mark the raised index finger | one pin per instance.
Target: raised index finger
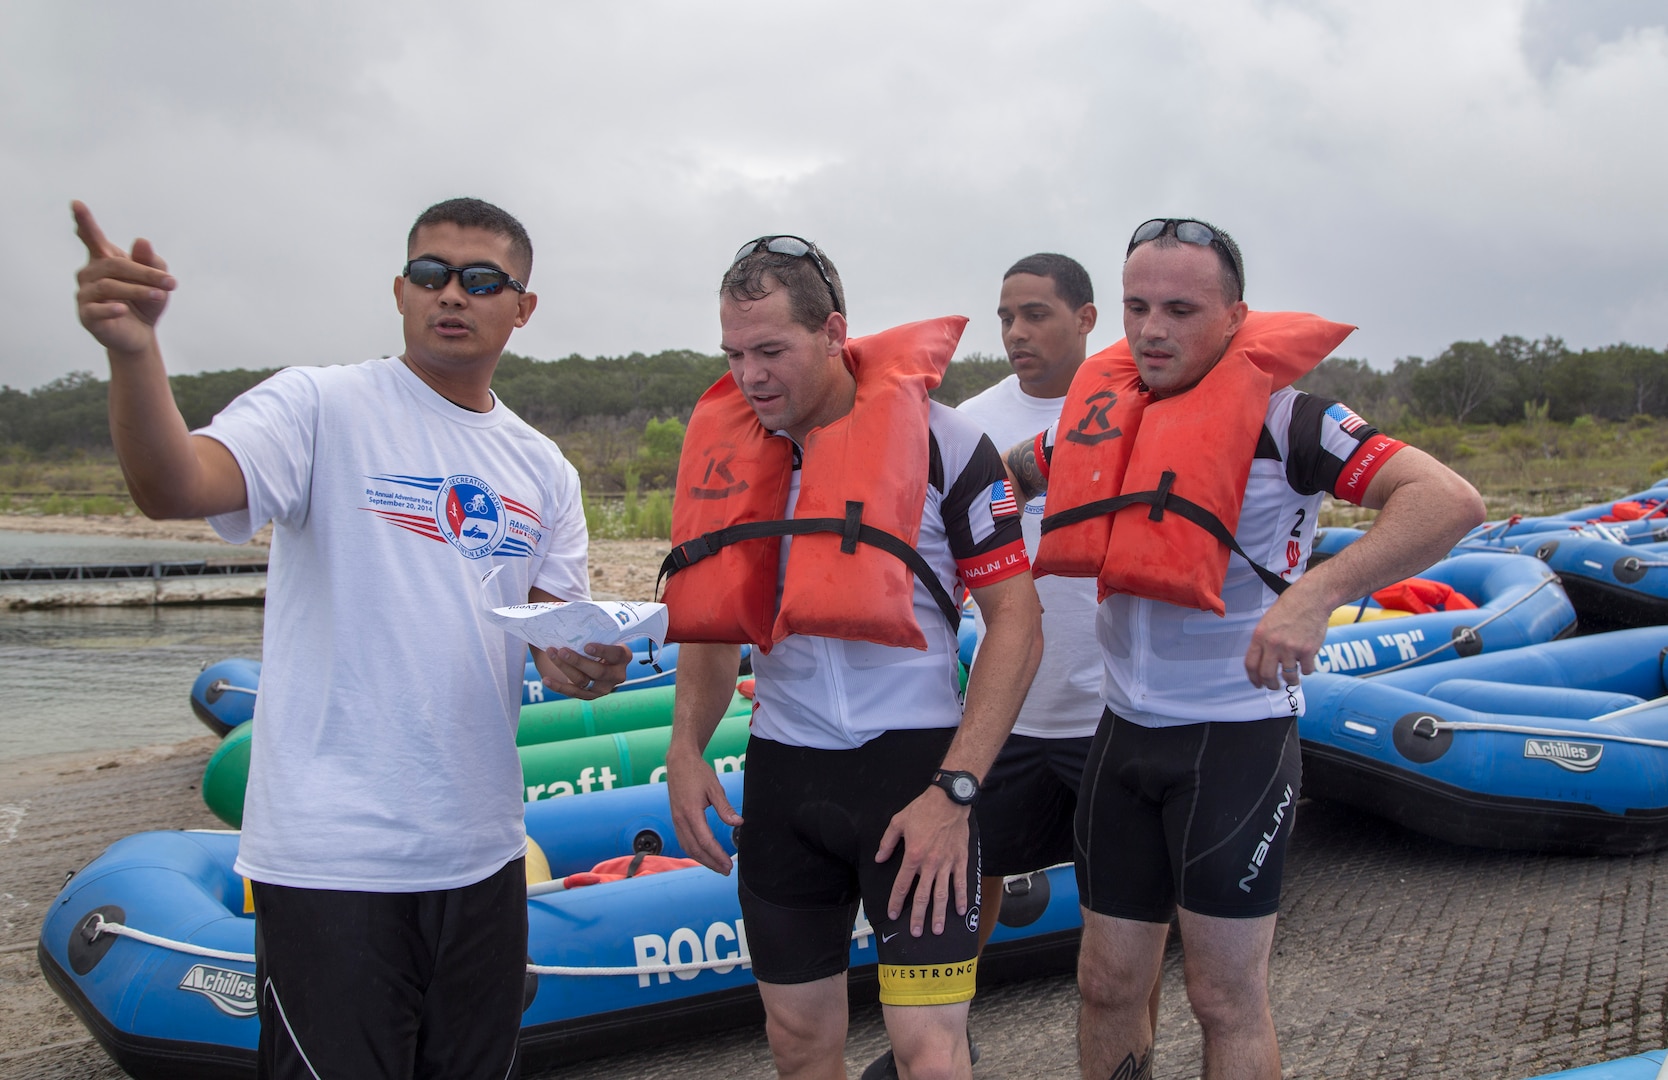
(91, 235)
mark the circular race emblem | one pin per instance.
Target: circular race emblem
(470, 514)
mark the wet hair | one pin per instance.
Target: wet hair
(1230, 265)
(1071, 281)
(476, 214)
(809, 303)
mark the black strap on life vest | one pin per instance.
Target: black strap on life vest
(1162, 499)
(851, 530)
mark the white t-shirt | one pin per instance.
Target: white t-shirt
(383, 755)
(1065, 697)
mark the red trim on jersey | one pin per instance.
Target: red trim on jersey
(994, 566)
(1360, 469)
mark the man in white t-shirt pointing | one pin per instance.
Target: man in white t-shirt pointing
(383, 822)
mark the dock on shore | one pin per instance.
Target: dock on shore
(32, 586)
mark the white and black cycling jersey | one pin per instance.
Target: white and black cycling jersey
(831, 694)
(1165, 665)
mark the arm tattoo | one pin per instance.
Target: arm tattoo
(1027, 473)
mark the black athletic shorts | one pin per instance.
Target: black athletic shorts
(806, 856)
(1196, 816)
(351, 985)
(1028, 804)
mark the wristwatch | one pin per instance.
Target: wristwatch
(962, 787)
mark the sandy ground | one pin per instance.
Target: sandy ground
(1396, 956)
(620, 569)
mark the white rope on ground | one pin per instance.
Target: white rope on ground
(1451, 642)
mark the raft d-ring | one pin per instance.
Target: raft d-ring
(1425, 727)
(1467, 642)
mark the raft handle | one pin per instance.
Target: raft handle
(1426, 727)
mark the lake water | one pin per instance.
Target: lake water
(75, 679)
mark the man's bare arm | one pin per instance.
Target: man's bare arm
(1025, 471)
(1424, 508)
(170, 472)
(932, 829)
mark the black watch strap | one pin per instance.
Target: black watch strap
(961, 787)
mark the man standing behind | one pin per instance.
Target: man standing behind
(1029, 798)
(383, 823)
(862, 765)
(1188, 792)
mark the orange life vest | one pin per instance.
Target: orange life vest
(863, 481)
(1421, 596)
(1144, 494)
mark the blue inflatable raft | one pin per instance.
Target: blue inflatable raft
(1561, 747)
(223, 696)
(1639, 1067)
(1519, 602)
(1514, 531)
(150, 946)
(1612, 585)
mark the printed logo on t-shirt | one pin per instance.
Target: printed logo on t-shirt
(461, 510)
(470, 515)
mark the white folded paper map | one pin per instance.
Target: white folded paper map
(574, 624)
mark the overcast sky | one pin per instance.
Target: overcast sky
(1430, 170)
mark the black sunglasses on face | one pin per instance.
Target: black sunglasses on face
(476, 280)
(796, 247)
(1188, 231)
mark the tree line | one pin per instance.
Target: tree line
(600, 407)
(1514, 379)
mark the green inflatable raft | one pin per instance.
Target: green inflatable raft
(566, 747)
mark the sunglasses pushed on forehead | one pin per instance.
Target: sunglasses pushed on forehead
(1188, 231)
(476, 280)
(796, 247)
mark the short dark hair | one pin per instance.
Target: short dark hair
(1071, 281)
(1230, 264)
(810, 302)
(477, 214)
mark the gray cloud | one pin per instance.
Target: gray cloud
(1428, 170)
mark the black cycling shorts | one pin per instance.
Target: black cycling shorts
(364, 984)
(806, 857)
(1196, 816)
(1028, 804)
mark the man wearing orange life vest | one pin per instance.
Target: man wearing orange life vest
(1187, 799)
(862, 764)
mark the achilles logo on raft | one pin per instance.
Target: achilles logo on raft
(233, 992)
(1574, 756)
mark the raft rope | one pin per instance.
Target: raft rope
(98, 925)
(1430, 727)
(1471, 631)
(221, 686)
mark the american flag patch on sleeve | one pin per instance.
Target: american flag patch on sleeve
(1345, 418)
(1002, 500)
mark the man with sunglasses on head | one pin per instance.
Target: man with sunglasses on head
(1190, 784)
(383, 825)
(863, 765)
